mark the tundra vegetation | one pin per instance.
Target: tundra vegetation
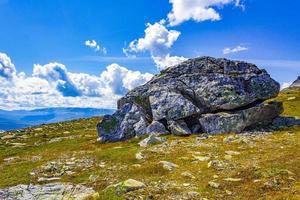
(260, 165)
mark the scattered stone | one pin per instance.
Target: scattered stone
(11, 159)
(151, 140)
(229, 192)
(188, 175)
(291, 98)
(48, 191)
(38, 129)
(232, 179)
(128, 185)
(137, 165)
(217, 164)
(214, 184)
(93, 178)
(139, 156)
(232, 153)
(200, 158)
(43, 179)
(215, 176)
(228, 157)
(168, 165)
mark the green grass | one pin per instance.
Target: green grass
(273, 157)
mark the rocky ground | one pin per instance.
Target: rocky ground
(64, 161)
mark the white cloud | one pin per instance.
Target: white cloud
(285, 85)
(236, 49)
(157, 40)
(51, 85)
(118, 79)
(7, 68)
(94, 45)
(167, 61)
(197, 10)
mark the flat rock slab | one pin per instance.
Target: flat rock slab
(57, 191)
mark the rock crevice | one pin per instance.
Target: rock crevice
(199, 95)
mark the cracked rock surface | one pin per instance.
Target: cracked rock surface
(214, 95)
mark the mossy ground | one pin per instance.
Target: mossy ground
(268, 165)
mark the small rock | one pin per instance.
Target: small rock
(217, 164)
(291, 98)
(43, 179)
(38, 129)
(215, 176)
(93, 178)
(201, 158)
(228, 157)
(168, 165)
(232, 153)
(213, 184)
(128, 185)
(151, 140)
(139, 156)
(229, 192)
(232, 179)
(137, 165)
(188, 175)
(186, 184)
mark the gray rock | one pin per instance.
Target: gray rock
(217, 90)
(209, 84)
(156, 128)
(225, 122)
(168, 165)
(128, 122)
(179, 128)
(127, 186)
(57, 191)
(171, 106)
(296, 83)
(151, 140)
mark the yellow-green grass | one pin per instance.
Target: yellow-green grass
(272, 158)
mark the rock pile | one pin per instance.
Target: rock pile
(199, 95)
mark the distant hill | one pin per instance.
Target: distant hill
(296, 83)
(17, 119)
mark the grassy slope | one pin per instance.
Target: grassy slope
(269, 166)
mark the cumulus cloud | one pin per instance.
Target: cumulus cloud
(57, 73)
(157, 40)
(52, 85)
(7, 68)
(94, 45)
(118, 79)
(167, 61)
(197, 10)
(236, 49)
(285, 85)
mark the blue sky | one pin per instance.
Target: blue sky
(51, 35)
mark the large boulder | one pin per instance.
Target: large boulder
(195, 92)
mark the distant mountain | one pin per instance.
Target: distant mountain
(17, 119)
(296, 83)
